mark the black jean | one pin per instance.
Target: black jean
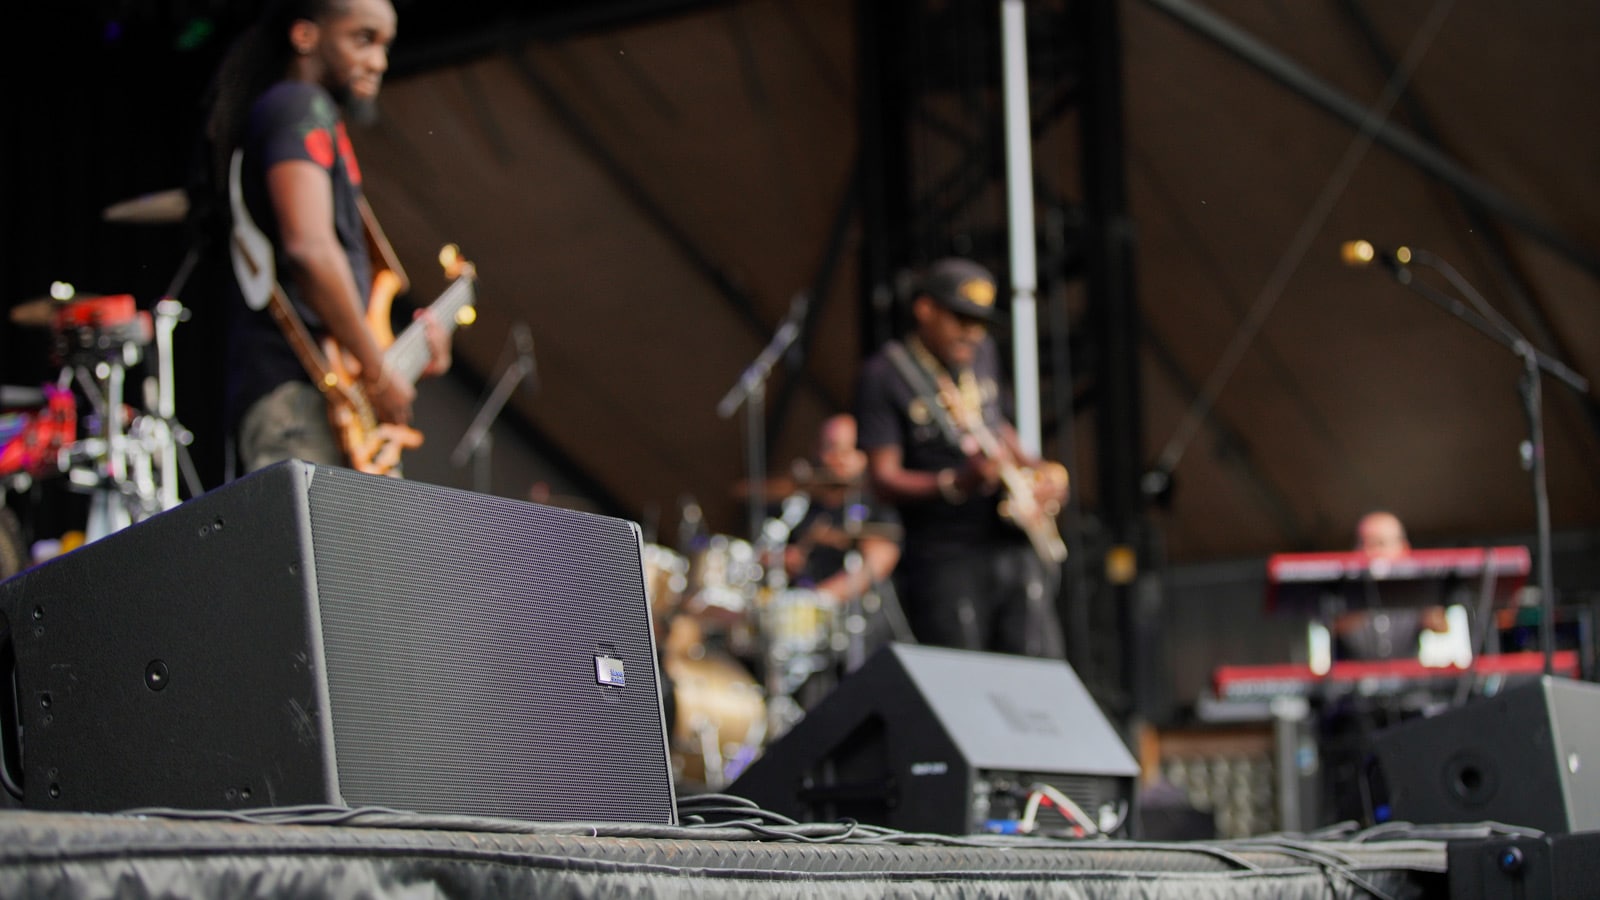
(996, 597)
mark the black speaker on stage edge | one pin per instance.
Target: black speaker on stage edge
(930, 739)
(316, 635)
(1529, 756)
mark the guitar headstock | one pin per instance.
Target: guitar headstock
(455, 265)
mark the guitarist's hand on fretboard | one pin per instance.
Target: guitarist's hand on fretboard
(391, 397)
(438, 344)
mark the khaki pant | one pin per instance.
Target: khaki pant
(289, 423)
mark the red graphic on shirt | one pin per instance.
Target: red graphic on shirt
(349, 154)
(319, 145)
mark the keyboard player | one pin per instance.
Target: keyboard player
(1384, 633)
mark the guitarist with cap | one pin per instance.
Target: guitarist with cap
(980, 565)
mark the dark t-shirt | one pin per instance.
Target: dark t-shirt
(827, 529)
(292, 120)
(889, 412)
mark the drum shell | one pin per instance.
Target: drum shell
(720, 709)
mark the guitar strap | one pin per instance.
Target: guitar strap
(926, 386)
(251, 255)
(252, 258)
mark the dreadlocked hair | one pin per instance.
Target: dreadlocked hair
(258, 58)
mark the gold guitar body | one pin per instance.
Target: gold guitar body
(375, 447)
(1019, 502)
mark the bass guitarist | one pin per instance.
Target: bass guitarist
(279, 178)
(980, 565)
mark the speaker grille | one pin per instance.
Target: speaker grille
(468, 626)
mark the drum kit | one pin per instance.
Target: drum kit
(744, 652)
(83, 427)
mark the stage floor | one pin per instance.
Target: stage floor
(333, 853)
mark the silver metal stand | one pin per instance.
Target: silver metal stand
(130, 462)
(750, 391)
(477, 443)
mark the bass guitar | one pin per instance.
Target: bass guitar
(371, 446)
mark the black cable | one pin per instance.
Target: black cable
(308, 814)
(736, 814)
(845, 834)
(1327, 860)
(715, 799)
(1441, 832)
(757, 824)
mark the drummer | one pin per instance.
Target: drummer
(841, 517)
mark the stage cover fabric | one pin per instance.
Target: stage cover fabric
(341, 853)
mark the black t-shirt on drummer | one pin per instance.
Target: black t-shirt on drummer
(889, 412)
(829, 530)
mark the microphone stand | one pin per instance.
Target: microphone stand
(750, 390)
(1484, 318)
(173, 438)
(477, 443)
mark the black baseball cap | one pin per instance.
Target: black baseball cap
(961, 286)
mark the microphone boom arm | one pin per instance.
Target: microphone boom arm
(476, 439)
(1484, 318)
(750, 391)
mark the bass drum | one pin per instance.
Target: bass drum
(797, 622)
(720, 716)
(666, 577)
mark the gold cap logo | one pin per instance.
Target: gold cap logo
(977, 291)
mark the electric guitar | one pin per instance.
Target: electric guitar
(1019, 504)
(371, 446)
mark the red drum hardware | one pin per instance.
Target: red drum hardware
(125, 455)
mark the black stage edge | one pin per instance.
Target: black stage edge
(385, 854)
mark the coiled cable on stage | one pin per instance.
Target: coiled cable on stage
(720, 817)
(724, 817)
(1371, 862)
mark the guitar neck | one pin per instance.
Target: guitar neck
(988, 444)
(409, 354)
(970, 422)
(1023, 510)
(1011, 472)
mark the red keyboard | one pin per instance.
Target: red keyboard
(1263, 682)
(1303, 581)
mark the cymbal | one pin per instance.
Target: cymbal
(784, 485)
(39, 312)
(13, 396)
(158, 208)
(33, 313)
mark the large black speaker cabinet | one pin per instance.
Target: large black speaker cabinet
(944, 741)
(316, 635)
(1528, 756)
